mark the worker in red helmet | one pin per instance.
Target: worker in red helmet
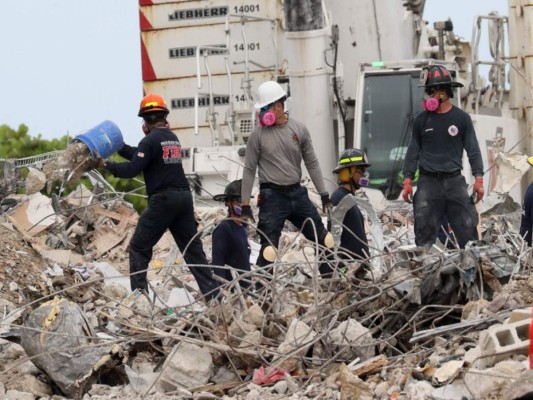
(170, 205)
(441, 133)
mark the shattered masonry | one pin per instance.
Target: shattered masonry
(446, 323)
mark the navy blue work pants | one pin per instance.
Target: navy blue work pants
(171, 210)
(438, 198)
(276, 207)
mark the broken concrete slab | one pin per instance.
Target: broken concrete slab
(35, 181)
(298, 340)
(448, 371)
(187, 366)
(520, 388)
(30, 384)
(141, 382)
(352, 387)
(481, 383)
(65, 258)
(456, 390)
(354, 339)
(34, 215)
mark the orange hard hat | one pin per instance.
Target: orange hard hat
(152, 103)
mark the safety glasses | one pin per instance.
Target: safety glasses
(264, 109)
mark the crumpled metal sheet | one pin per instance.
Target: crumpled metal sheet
(63, 345)
(342, 208)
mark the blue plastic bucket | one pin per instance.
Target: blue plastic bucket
(104, 139)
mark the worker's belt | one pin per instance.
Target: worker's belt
(441, 175)
(279, 188)
(173, 189)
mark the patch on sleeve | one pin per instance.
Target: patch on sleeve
(140, 154)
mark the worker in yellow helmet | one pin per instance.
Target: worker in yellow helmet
(526, 223)
(351, 176)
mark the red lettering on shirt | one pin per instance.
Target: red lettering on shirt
(171, 152)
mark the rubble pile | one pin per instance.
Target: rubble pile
(410, 324)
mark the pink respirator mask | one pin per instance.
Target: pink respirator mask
(266, 119)
(431, 104)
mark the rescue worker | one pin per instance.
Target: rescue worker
(276, 148)
(230, 237)
(440, 134)
(170, 205)
(526, 224)
(351, 175)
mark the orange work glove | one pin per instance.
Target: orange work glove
(407, 190)
(478, 189)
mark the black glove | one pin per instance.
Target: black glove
(327, 205)
(246, 214)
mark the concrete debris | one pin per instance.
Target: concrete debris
(354, 338)
(36, 181)
(520, 388)
(34, 215)
(71, 165)
(443, 324)
(187, 366)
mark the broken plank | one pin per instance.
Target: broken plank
(117, 216)
(368, 366)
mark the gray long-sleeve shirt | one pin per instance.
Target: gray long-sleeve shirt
(438, 142)
(277, 152)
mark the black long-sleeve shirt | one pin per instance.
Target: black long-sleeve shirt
(158, 156)
(526, 224)
(230, 247)
(438, 141)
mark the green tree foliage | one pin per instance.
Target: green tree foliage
(19, 144)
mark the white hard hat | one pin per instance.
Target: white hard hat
(268, 92)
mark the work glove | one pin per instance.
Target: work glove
(408, 190)
(98, 161)
(246, 214)
(478, 193)
(327, 205)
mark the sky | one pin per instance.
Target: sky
(67, 65)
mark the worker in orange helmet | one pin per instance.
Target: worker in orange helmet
(170, 205)
(441, 133)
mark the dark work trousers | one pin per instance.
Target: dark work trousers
(444, 233)
(171, 210)
(438, 198)
(293, 205)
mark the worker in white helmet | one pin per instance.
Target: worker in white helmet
(276, 148)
